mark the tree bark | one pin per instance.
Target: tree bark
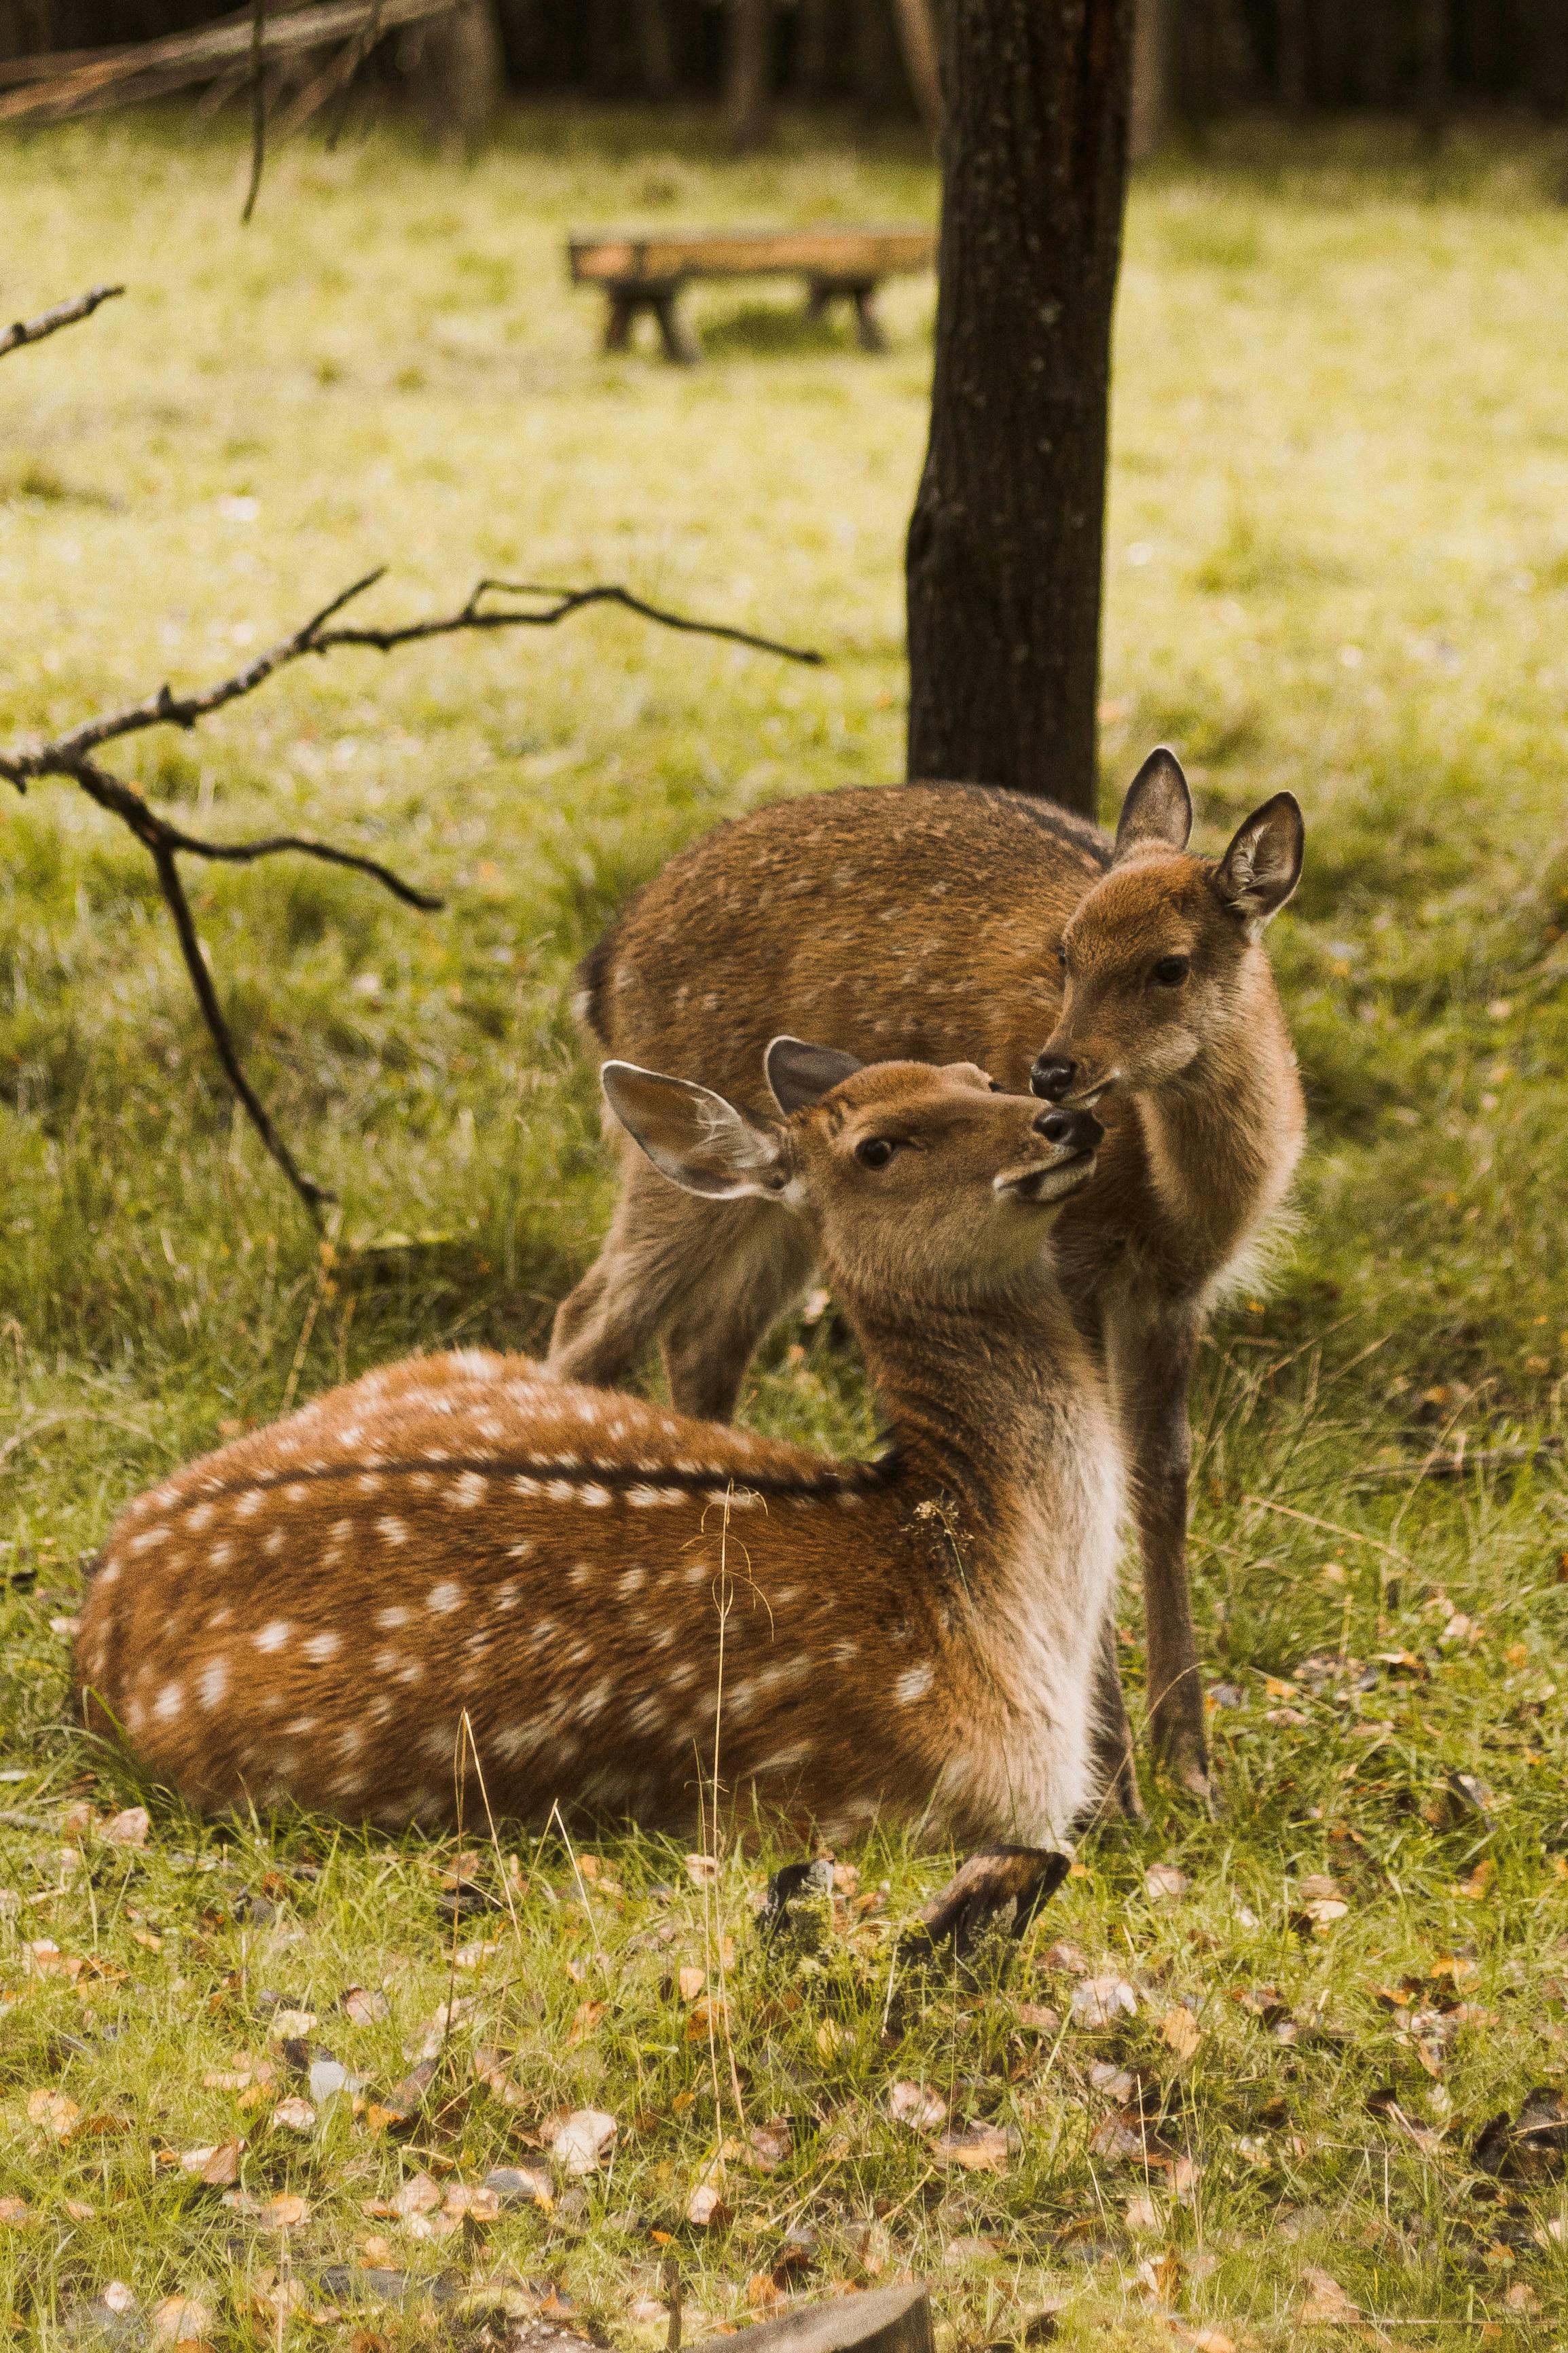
(1151, 115)
(1007, 535)
(1432, 96)
(655, 49)
(917, 38)
(747, 77)
(461, 74)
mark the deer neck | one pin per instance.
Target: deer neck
(1222, 1140)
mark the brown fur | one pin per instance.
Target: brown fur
(927, 920)
(608, 1590)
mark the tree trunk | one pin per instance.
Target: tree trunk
(917, 38)
(655, 49)
(1007, 535)
(461, 74)
(1291, 57)
(1151, 115)
(747, 76)
(1432, 97)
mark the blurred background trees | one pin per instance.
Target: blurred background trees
(1200, 59)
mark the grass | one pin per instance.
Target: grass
(1338, 560)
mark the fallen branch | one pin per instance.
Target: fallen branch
(1459, 1464)
(70, 756)
(64, 314)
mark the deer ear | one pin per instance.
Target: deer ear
(694, 1137)
(801, 1074)
(1263, 864)
(1158, 811)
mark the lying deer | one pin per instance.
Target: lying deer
(936, 921)
(627, 1602)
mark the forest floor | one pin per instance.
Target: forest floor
(1338, 560)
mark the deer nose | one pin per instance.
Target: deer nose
(1052, 1076)
(1079, 1130)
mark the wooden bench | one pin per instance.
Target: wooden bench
(648, 273)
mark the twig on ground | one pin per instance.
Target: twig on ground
(70, 756)
(1458, 1464)
(49, 322)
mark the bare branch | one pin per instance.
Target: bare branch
(64, 314)
(165, 709)
(257, 107)
(71, 755)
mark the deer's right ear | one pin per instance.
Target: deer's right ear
(1158, 811)
(693, 1136)
(800, 1074)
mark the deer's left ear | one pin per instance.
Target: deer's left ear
(1263, 864)
(694, 1137)
(1158, 811)
(800, 1074)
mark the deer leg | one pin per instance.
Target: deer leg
(657, 1247)
(1116, 1772)
(756, 1263)
(1152, 1391)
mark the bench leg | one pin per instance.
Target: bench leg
(680, 343)
(619, 319)
(867, 326)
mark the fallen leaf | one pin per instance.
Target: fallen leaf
(1180, 2032)
(1142, 2216)
(1100, 2001)
(913, 2104)
(979, 2149)
(586, 2137)
(584, 2020)
(54, 2112)
(1325, 2304)
(464, 2201)
(1475, 1888)
(706, 2206)
(291, 2025)
(417, 2195)
(1522, 2297)
(492, 2074)
(281, 2213)
(829, 2038)
(181, 2320)
(1317, 1887)
(15, 2213)
(1120, 2138)
(957, 2251)
(520, 2185)
(1164, 1884)
(365, 2006)
(1065, 1957)
(1039, 2017)
(767, 2146)
(79, 2211)
(144, 1936)
(1160, 2277)
(474, 1956)
(44, 1958)
(129, 1827)
(218, 2167)
(691, 1982)
(702, 1870)
(295, 2115)
(762, 2290)
(402, 2104)
(1325, 1910)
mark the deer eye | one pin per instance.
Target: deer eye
(875, 1152)
(1171, 971)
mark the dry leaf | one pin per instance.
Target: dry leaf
(295, 2114)
(418, 2195)
(762, 2290)
(1180, 2032)
(474, 1956)
(1067, 1958)
(1325, 2304)
(979, 2149)
(285, 2212)
(463, 2201)
(259, 2073)
(366, 2007)
(1142, 2216)
(181, 2320)
(291, 2025)
(218, 2167)
(15, 2213)
(446, 2015)
(1164, 1884)
(584, 2019)
(586, 2137)
(79, 2211)
(648, 2312)
(1039, 2016)
(1161, 2276)
(829, 2038)
(913, 2104)
(520, 2185)
(767, 2146)
(54, 2112)
(1522, 2297)
(129, 1827)
(702, 1870)
(1118, 2137)
(145, 1937)
(691, 1982)
(492, 2074)
(706, 2206)
(44, 1958)
(1100, 2001)
(1474, 1888)
(1317, 1887)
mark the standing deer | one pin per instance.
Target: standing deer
(627, 1603)
(936, 921)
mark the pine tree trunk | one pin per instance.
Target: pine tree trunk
(917, 38)
(1007, 539)
(746, 79)
(1151, 117)
(655, 49)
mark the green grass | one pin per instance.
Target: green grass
(1338, 560)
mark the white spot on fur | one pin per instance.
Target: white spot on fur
(201, 1517)
(322, 1647)
(274, 1541)
(594, 1494)
(444, 1596)
(148, 1539)
(249, 1505)
(170, 1699)
(273, 1636)
(912, 1684)
(214, 1682)
(469, 1491)
(631, 1580)
(392, 1528)
(390, 1620)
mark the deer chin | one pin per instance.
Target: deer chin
(1040, 1187)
